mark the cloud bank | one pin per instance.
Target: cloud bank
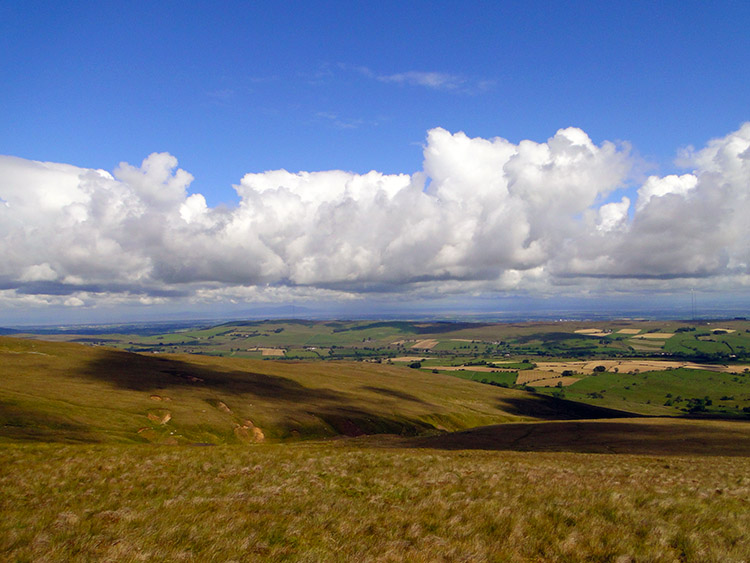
(482, 216)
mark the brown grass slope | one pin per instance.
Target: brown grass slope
(54, 391)
(336, 501)
(634, 436)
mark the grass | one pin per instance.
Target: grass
(355, 502)
(664, 393)
(505, 378)
(643, 436)
(442, 469)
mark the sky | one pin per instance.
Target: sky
(175, 158)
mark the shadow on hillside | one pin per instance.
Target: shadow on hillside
(394, 393)
(645, 437)
(349, 421)
(26, 424)
(545, 407)
(335, 409)
(145, 373)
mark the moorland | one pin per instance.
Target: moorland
(425, 441)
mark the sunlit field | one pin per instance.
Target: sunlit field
(367, 501)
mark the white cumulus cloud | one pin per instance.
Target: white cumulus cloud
(482, 215)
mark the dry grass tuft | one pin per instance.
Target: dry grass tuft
(344, 502)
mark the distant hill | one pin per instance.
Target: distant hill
(66, 392)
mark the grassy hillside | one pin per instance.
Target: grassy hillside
(514, 479)
(55, 391)
(337, 501)
(644, 436)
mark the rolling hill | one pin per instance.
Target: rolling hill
(58, 391)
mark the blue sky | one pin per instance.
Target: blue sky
(237, 87)
(233, 88)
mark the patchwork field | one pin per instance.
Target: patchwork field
(628, 366)
(559, 381)
(425, 344)
(725, 341)
(665, 392)
(493, 353)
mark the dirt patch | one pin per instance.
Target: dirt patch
(629, 331)
(159, 398)
(159, 416)
(425, 344)
(728, 330)
(248, 432)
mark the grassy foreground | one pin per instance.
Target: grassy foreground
(343, 502)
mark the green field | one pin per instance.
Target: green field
(665, 393)
(718, 341)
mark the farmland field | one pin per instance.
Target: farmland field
(727, 341)
(491, 352)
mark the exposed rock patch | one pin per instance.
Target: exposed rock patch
(160, 416)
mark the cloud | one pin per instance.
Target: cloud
(434, 80)
(691, 226)
(659, 187)
(338, 122)
(483, 215)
